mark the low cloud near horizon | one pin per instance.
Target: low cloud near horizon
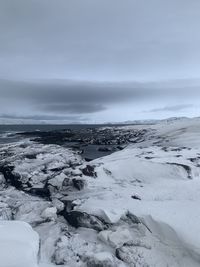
(83, 101)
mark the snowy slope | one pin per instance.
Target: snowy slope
(19, 245)
(136, 207)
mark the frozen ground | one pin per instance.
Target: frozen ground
(136, 207)
(19, 245)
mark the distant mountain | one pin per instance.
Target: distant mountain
(149, 122)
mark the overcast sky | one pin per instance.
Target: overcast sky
(99, 60)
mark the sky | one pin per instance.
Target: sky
(94, 61)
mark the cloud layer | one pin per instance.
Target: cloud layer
(79, 101)
(99, 60)
(99, 40)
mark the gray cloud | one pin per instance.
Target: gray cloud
(41, 117)
(99, 40)
(76, 108)
(67, 98)
(56, 91)
(172, 108)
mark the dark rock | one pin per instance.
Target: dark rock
(88, 159)
(78, 183)
(31, 156)
(193, 160)
(107, 171)
(82, 219)
(119, 254)
(133, 218)
(136, 220)
(40, 192)
(104, 149)
(149, 157)
(11, 177)
(59, 169)
(136, 197)
(49, 137)
(89, 171)
(69, 206)
(120, 147)
(95, 262)
(67, 182)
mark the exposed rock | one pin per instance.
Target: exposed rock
(130, 254)
(10, 177)
(133, 218)
(40, 192)
(120, 147)
(31, 156)
(78, 183)
(68, 206)
(2, 181)
(50, 213)
(104, 149)
(5, 212)
(101, 259)
(89, 171)
(67, 182)
(58, 204)
(136, 220)
(82, 219)
(57, 181)
(136, 197)
(88, 159)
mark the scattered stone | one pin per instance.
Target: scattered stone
(89, 171)
(78, 183)
(136, 197)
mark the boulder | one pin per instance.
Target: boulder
(40, 192)
(83, 219)
(11, 177)
(78, 183)
(50, 213)
(101, 259)
(89, 171)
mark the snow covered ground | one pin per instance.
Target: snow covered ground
(19, 245)
(135, 207)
